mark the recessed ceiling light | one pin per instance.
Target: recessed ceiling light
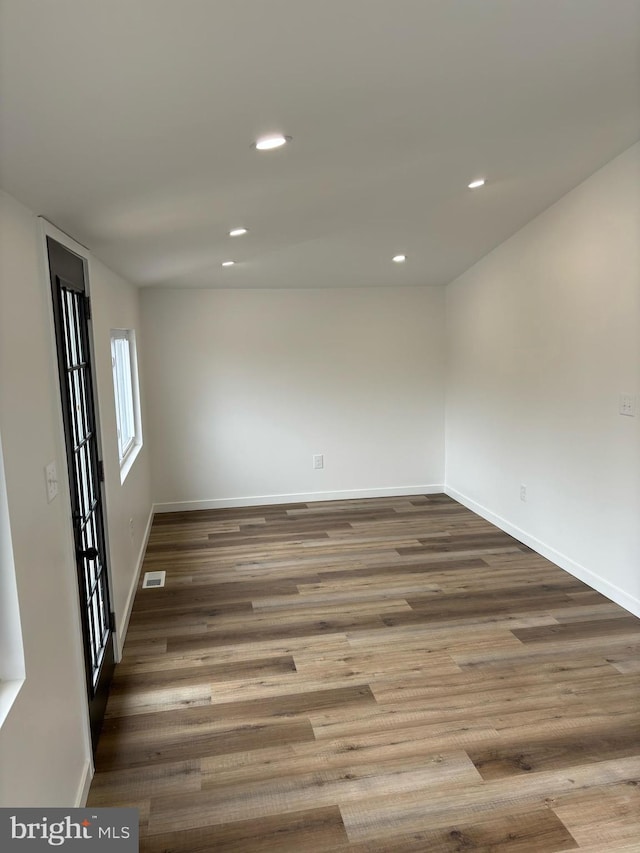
(237, 232)
(475, 184)
(228, 263)
(266, 143)
(399, 259)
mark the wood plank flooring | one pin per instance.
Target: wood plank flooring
(376, 676)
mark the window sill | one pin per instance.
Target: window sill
(127, 463)
(8, 694)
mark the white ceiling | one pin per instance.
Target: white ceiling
(128, 123)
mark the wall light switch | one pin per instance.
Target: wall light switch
(628, 405)
(318, 461)
(51, 477)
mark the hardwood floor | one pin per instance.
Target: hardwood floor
(375, 676)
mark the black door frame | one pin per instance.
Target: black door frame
(96, 693)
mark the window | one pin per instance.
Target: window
(11, 650)
(125, 386)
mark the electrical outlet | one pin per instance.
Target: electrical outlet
(628, 405)
(318, 461)
(523, 493)
(51, 478)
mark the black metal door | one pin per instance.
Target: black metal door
(72, 314)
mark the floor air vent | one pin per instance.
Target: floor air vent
(152, 579)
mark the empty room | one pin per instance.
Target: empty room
(320, 425)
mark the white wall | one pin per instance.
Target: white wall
(115, 305)
(543, 336)
(243, 387)
(44, 743)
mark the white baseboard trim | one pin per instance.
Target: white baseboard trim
(307, 497)
(85, 784)
(600, 584)
(124, 625)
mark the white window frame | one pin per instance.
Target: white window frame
(126, 397)
(12, 667)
